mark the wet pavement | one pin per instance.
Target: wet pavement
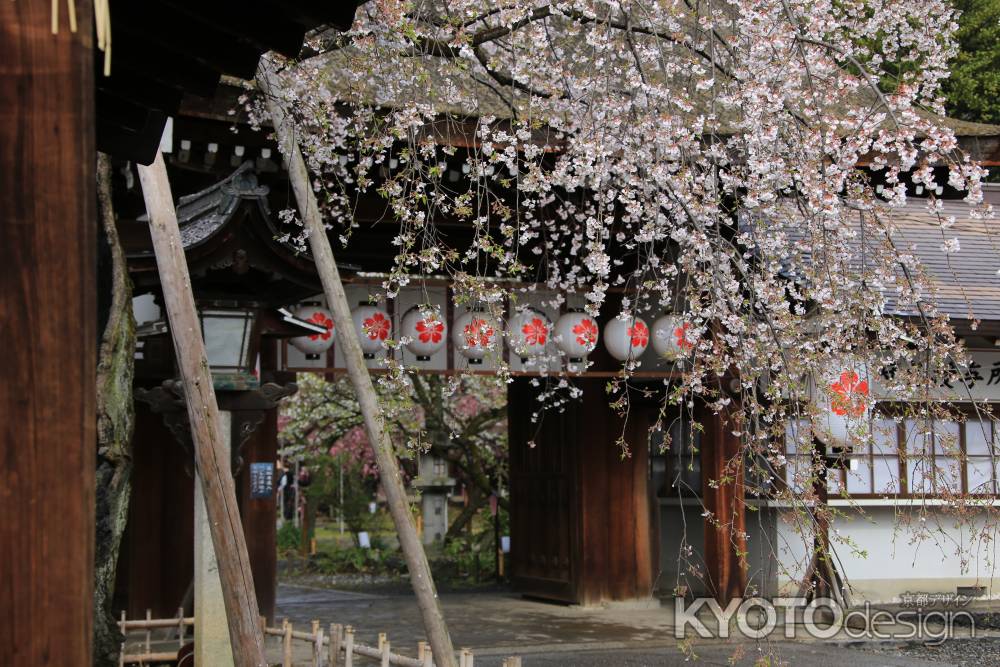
(498, 624)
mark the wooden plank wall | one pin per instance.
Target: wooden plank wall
(157, 562)
(617, 535)
(259, 514)
(544, 514)
(581, 528)
(48, 333)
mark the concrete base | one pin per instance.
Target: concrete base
(211, 626)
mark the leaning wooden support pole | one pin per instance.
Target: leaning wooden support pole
(385, 455)
(203, 412)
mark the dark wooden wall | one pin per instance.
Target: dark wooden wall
(259, 514)
(157, 562)
(618, 539)
(544, 515)
(48, 334)
(581, 525)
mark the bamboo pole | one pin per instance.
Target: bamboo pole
(333, 288)
(203, 413)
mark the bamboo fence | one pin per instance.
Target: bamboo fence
(335, 647)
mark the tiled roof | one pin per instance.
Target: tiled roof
(965, 284)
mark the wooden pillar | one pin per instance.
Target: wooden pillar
(723, 493)
(48, 332)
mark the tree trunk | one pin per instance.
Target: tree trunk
(476, 500)
(115, 422)
(385, 455)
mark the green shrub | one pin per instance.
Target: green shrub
(289, 537)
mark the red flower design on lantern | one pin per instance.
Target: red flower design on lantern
(535, 332)
(322, 320)
(586, 332)
(680, 334)
(377, 327)
(639, 333)
(429, 331)
(850, 395)
(478, 333)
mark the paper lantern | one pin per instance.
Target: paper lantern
(626, 337)
(315, 344)
(373, 326)
(842, 397)
(672, 337)
(528, 332)
(475, 333)
(426, 331)
(576, 334)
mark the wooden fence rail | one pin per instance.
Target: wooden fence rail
(334, 648)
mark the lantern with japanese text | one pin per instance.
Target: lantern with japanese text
(373, 326)
(425, 330)
(626, 337)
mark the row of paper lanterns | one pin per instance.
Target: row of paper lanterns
(475, 333)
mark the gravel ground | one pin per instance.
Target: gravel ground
(979, 652)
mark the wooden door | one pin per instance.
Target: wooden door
(543, 494)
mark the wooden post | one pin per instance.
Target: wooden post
(385, 648)
(725, 540)
(317, 632)
(149, 631)
(333, 288)
(286, 644)
(349, 647)
(203, 413)
(48, 332)
(336, 641)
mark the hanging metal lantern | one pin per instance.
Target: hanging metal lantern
(314, 345)
(373, 326)
(626, 337)
(475, 334)
(528, 332)
(426, 331)
(672, 337)
(576, 334)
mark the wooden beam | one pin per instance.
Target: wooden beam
(725, 528)
(203, 413)
(347, 339)
(48, 331)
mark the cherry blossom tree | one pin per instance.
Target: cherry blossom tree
(463, 420)
(717, 159)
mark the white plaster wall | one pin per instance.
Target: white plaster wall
(886, 559)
